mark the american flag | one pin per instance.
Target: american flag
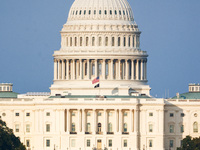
(95, 80)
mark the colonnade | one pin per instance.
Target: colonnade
(80, 122)
(106, 69)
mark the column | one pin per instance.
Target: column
(88, 69)
(68, 121)
(116, 121)
(136, 120)
(141, 73)
(55, 69)
(145, 70)
(77, 69)
(105, 121)
(79, 121)
(83, 121)
(95, 122)
(103, 69)
(111, 69)
(135, 41)
(132, 70)
(65, 120)
(137, 69)
(131, 119)
(63, 70)
(96, 69)
(73, 69)
(132, 42)
(119, 69)
(81, 69)
(67, 69)
(59, 69)
(127, 68)
(120, 121)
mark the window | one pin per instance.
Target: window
(4, 114)
(129, 41)
(107, 68)
(27, 114)
(89, 12)
(81, 41)
(95, 12)
(100, 41)
(125, 143)
(88, 128)
(195, 115)
(99, 114)
(99, 12)
(125, 127)
(150, 143)
(182, 114)
(28, 128)
(87, 39)
(105, 12)
(115, 12)
(133, 41)
(125, 114)
(171, 143)
(99, 67)
(110, 12)
(73, 114)
(70, 41)
(150, 114)
(48, 143)
(85, 68)
(171, 114)
(76, 12)
(123, 12)
(182, 128)
(106, 41)
(120, 12)
(17, 114)
(109, 143)
(93, 41)
(119, 41)
(73, 127)
(28, 143)
(84, 12)
(171, 128)
(124, 41)
(17, 128)
(113, 41)
(88, 114)
(75, 40)
(195, 127)
(48, 128)
(80, 12)
(48, 114)
(73, 143)
(88, 143)
(110, 114)
(150, 128)
(99, 127)
(93, 68)
(110, 127)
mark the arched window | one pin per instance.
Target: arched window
(73, 127)
(87, 39)
(113, 41)
(119, 41)
(99, 127)
(106, 41)
(110, 127)
(81, 41)
(125, 127)
(100, 41)
(195, 127)
(93, 41)
(88, 129)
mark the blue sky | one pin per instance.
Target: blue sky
(29, 34)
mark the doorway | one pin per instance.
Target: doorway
(99, 145)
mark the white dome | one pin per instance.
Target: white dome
(86, 11)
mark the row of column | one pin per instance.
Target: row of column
(119, 121)
(113, 69)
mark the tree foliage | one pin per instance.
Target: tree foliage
(190, 143)
(8, 141)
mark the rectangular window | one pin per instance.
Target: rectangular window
(88, 114)
(150, 143)
(99, 114)
(106, 41)
(110, 114)
(125, 114)
(16, 128)
(113, 41)
(48, 129)
(171, 114)
(73, 114)
(119, 41)
(100, 41)
(182, 128)
(28, 128)
(171, 128)
(48, 114)
(28, 143)
(81, 41)
(150, 114)
(70, 41)
(171, 143)
(17, 114)
(48, 143)
(88, 143)
(125, 143)
(27, 114)
(150, 128)
(73, 143)
(109, 143)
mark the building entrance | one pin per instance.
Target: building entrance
(99, 145)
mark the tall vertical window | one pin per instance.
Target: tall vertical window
(48, 128)
(88, 127)
(150, 143)
(28, 128)
(171, 143)
(28, 143)
(110, 127)
(93, 41)
(75, 40)
(125, 127)
(106, 41)
(124, 41)
(107, 72)
(171, 128)
(93, 68)
(17, 128)
(66, 41)
(99, 68)
(113, 41)
(109, 143)
(129, 41)
(73, 143)
(182, 128)
(100, 41)
(47, 143)
(150, 128)
(99, 12)
(94, 12)
(88, 143)
(125, 143)
(87, 41)
(133, 41)
(195, 127)
(70, 41)
(99, 127)
(73, 127)
(85, 68)
(119, 41)
(81, 41)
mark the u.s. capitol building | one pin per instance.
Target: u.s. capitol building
(100, 97)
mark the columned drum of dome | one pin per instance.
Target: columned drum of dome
(100, 39)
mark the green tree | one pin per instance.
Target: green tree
(190, 144)
(8, 141)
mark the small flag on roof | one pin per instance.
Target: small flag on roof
(95, 80)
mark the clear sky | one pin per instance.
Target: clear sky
(29, 34)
